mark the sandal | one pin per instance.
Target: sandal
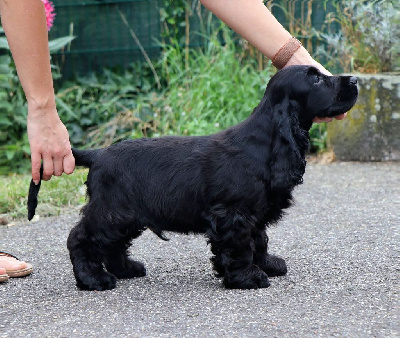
(4, 277)
(16, 273)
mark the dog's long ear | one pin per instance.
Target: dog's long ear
(289, 146)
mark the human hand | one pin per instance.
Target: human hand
(302, 57)
(49, 140)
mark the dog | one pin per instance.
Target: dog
(229, 186)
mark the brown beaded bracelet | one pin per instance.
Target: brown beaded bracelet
(284, 54)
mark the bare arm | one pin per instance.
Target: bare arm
(255, 23)
(24, 23)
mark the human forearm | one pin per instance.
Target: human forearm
(24, 23)
(253, 21)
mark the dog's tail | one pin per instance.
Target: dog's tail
(33, 194)
(82, 157)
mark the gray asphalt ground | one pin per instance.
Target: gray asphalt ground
(341, 243)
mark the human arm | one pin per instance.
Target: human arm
(24, 23)
(255, 23)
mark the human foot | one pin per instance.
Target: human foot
(13, 266)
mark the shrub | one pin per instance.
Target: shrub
(210, 89)
(367, 38)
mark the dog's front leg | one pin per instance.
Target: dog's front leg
(233, 247)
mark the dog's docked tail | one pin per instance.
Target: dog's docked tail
(32, 195)
(83, 158)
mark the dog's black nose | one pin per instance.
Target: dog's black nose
(353, 80)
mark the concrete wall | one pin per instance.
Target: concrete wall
(371, 131)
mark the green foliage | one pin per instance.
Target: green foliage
(13, 140)
(173, 19)
(318, 137)
(367, 38)
(208, 90)
(57, 44)
(211, 89)
(100, 109)
(204, 90)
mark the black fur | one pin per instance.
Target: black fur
(228, 186)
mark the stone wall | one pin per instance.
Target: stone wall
(371, 131)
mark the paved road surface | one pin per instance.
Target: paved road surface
(341, 243)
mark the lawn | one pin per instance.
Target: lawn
(60, 194)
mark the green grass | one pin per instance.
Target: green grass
(60, 194)
(210, 89)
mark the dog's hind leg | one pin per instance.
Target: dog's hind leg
(118, 262)
(216, 260)
(272, 265)
(87, 261)
(232, 245)
(121, 266)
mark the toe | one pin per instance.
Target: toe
(11, 263)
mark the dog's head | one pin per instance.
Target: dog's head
(311, 93)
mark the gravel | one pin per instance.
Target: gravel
(340, 241)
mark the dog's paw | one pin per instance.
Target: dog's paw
(251, 278)
(131, 270)
(101, 282)
(274, 266)
(219, 269)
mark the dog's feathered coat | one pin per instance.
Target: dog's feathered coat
(229, 185)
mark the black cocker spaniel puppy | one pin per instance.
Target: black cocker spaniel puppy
(229, 186)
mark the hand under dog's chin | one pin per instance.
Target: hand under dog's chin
(337, 112)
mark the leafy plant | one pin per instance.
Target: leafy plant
(212, 89)
(368, 35)
(217, 84)
(100, 109)
(318, 137)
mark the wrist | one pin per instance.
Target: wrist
(41, 104)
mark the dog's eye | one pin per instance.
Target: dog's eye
(317, 79)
